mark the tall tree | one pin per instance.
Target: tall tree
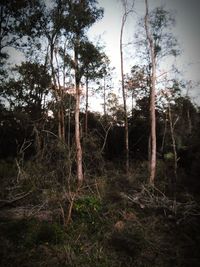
(91, 59)
(82, 15)
(26, 97)
(105, 82)
(28, 89)
(52, 24)
(64, 26)
(152, 98)
(124, 18)
(159, 43)
(136, 84)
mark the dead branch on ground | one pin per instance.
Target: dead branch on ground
(149, 198)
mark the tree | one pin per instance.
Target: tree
(15, 17)
(136, 84)
(52, 25)
(170, 93)
(82, 14)
(26, 96)
(105, 83)
(157, 37)
(63, 26)
(91, 59)
(124, 18)
(28, 88)
(152, 100)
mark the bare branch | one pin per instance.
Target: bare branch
(4, 202)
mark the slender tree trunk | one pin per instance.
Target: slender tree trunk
(124, 94)
(132, 106)
(174, 147)
(164, 135)
(189, 121)
(69, 127)
(62, 121)
(104, 96)
(77, 122)
(152, 100)
(153, 129)
(86, 108)
(58, 95)
(61, 104)
(188, 111)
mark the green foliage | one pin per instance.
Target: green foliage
(91, 58)
(169, 156)
(28, 90)
(148, 238)
(88, 207)
(81, 16)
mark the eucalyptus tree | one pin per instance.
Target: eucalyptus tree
(152, 99)
(60, 28)
(159, 43)
(115, 110)
(136, 84)
(63, 28)
(82, 14)
(91, 67)
(52, 24)
(28, 89)
(25, 95)
(105, 83)
(15, 17)
(127, 11)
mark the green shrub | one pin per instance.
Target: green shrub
(87, 210)
(87, 205)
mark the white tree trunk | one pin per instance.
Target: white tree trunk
(152, 100)
(123, 90)
(77, 124)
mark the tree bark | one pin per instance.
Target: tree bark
(69, 127)
(152, 100)
(104, 96)
(164, 135)
(86, 108)
(77, 122)
(174, 147)
(59, 96)
(124, 94)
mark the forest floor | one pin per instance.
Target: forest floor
(113, 223)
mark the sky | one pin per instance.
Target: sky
(187, 31)
(107, 30)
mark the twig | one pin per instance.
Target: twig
(4, 202)
(147, 200)
(32, 212)
(105, 139)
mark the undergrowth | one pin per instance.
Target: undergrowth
(106, 228)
